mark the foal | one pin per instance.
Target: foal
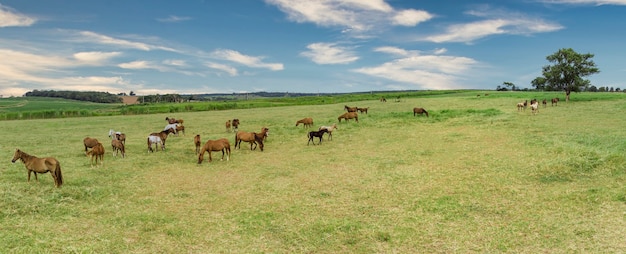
(318, 134)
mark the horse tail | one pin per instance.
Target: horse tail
(59, 176)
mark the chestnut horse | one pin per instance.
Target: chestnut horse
(307, 122)
(252, 138)
(235, 124)
(420, 111)
(118, 146)
(348, 115)
(555, 101)
(89, 143)
(163, 135)
(174, 121)
(362, 110)
(157, 141)
(40, 165)
(319, 134)
(198, 142)
(228, 126)
(350, 109)
(214, 146)
(97, 152)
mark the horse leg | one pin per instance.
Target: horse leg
(210, 157)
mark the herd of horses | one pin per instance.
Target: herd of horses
(534, 104)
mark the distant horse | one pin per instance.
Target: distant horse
(251, 137)
(228, 126)
(420, 111)
(97, 152)
(382, 99)
(350, 109)
(307, 122)
(174, 121)
(534, 107)
(118, 147)
(520, 106)
(179, 129)
(348, 115)
(198, 142)
(362, 110)
(214, 146)
(330, 130)
(156, 140)
(555, 101)
(163, 135)
(319, 134)
(40, 165)
(117, 135)
(544, 102)
(89, 143)
(171, 127)
(235, 124)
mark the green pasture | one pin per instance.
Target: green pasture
(477, 176)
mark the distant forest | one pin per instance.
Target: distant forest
(99, 97)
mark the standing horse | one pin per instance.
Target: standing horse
(36, 165)
(171, 128)
(228, 126)
(214, 146)
(198, 142)
(544, 102)
(319, 134)
(348, 115)
(157, 141)
(163, 135)
(362, 110)
(89, 143)
(97, 152)
(117, 135)
(307, 122)
(180, 128)
(118, 147)
(534, 107)
(174, 121)
(555, 101)
(420, 111)
(350, 109)
(330, 130)
(251, 137)
(235, 124)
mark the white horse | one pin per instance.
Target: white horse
(117, 135)
(535, 107)
(171, 126)
(155, 140)
(330, 130)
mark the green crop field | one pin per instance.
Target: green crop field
(476, 176)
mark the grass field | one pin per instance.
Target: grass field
(477, 176)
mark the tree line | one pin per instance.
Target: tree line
(99, 97)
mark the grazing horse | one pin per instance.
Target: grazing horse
(318, 134)
(350, 109)
(89, 143)
(382, 99)
(40, 165)
(117, 135)
(555, 101)
(214, 146)
(228, 126)
(118, 147)
(348, 115)
(198, 142)
(235, 124)
(544, 102)
(97, 152)
(252, 138)
(174, 121)
(330, 130)
(420, 111)
(306, 122)
(362, 110)
(157, 141)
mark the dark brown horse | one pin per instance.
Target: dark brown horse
(251, 137)
(118, 147)
(350, 109)
(117, 135)
(198, 142)
(89, 143)
(362, 110)
(97, 152)
(180, 128)
(163, 135)
(419, 111)
(307, 122)
(214, 146)
(173, 120)
(40, 165)
(555, 101)
(348, 115)
(544, 102)
(319, 134)
(235, 124)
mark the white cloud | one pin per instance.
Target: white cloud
(329, 53)
(592, 2)
(174, 19)
(250, 61)
(96, 38)
(222, 67)
(411, 17)
(9, 17)
(425, 71)
(95, 57)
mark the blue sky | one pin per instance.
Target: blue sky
(310, 46)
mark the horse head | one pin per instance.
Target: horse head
(17, 155)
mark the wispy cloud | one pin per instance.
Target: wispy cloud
(250, 61)
(222, 67)
(95, 57)
(586, 2)
(329, 53)
(10, 17)
(173, 19)
(426, 71)
(91, 37)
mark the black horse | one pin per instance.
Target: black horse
(318, 134)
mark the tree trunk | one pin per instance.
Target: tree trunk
(567, 92)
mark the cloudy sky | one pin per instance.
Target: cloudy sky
(311, 46)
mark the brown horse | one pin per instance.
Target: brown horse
(180, 128)
(330, 130)
(117, 135)
(118, 147)
(198, 142)
(163, 135)
(307, 122)
(544, 102)
(420, 111)
(555, 101)
(89, 143)
(235, 124)
(350, 109)
(348, 115)
(228, 126)
(173, 120)
(251, 137)
(155, 139)
(40, 165)
(362, 110)
(97, 152)
(214, 146)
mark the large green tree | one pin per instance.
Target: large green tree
(566, 72)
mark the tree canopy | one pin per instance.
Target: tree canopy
(567, 72)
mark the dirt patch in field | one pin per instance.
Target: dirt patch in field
(130, 99)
